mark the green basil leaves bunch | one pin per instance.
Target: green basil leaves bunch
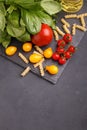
(22, 18)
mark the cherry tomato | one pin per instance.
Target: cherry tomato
(71, 49)
(11, 50)
(52, 69)
(67, 38)
(27, 47)
(61, 43)
(55, 56)
(62, 60)
(60, 50)
(44, 37)
(67, 55)
(48, 52)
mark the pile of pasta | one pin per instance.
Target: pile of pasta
(66, 25)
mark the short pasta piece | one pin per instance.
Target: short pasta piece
(85, 14)
(41, 69)
(59, 31)
(26, 71)
(71, 16)
(39, 49)
(56, 35)
(74, 29)
(81, 28)
(66, 29)
(82, 20)
(37, 64)
(65, 22)
(23, 58)
(36, 52)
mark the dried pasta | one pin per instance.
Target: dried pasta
(41, 69)
(85, 14)
(59, 31)
(82, 20)
(81, 28)
(23, 58)
(26, 71)
(36, 52)
(37, 64)
(39, 49)
(74, 29)
(65, 22)
(66, 29)
(56, 35)
(71, 16)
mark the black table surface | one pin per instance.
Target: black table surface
(32, 103)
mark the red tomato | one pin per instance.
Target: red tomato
(67, 55)
(60, 50)
(44, 37)
(61, 43)
(71, 49)
(67, 38)
(55, 56)
(62, 60)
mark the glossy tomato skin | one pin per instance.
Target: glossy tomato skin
(44, 37)
(67, 55)
(62, 60)
(71, 49)
(60, 50)
(55, 56)
(61, 43)
(67, 38)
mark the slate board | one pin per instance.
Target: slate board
(76, 41)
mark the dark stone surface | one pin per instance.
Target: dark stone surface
(76, 40)
(32, 103)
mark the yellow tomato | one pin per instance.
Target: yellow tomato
(48, 53)
(11, 50)
(35, 58)
(27, 47)
(52, 69)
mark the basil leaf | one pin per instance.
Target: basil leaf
(5, 38)
(2, 36)
(25, 37)
(15, 32)
(11, 8)
(2, 21)
(2, 16)
(24, 3)
(9, 1)
(50, 6)
(6, 41)
(2, 8)
(13, 18)
(32, 22)
(45, 18)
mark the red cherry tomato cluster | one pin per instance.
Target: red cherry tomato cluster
(64, 49)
